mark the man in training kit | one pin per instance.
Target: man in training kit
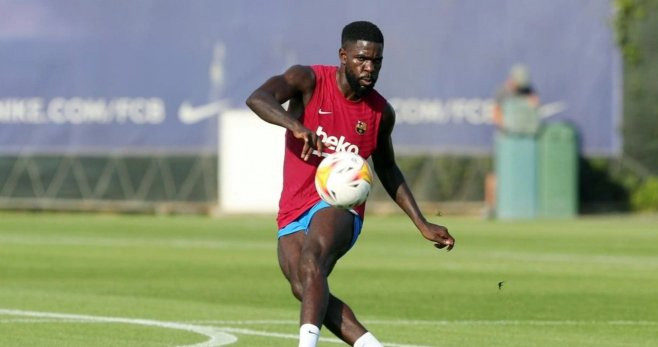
(332, 109)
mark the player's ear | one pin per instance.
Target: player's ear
(342, 55)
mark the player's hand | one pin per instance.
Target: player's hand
(439, 235)
(311, 142)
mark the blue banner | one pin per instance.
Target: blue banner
(153, 75)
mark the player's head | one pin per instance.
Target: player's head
(361, 30)
(361, 54)
(519, 79)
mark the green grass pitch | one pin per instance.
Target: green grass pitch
(132, 280)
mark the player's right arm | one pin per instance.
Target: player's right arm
(294, 85)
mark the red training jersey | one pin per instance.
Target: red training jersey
(343, 125)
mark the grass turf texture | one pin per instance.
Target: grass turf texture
(586, 282)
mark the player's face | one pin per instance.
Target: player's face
(362, 60)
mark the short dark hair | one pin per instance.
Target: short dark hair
(361, 30)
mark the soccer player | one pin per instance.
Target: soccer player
(332, 109)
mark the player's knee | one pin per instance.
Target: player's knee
(297, 290)
(310, 268)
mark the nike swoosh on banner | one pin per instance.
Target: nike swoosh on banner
(320, 111)
(551, 109)
(189, 114)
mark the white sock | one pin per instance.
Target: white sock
(308, 335)
(367, 340)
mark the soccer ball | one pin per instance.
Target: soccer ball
(343, 179)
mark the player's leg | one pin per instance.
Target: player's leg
(341, 321)
(289, 247)
(289, 250)
(328, 238)
(339, 317)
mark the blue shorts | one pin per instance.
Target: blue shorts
(303, 222)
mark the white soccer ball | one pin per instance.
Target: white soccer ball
(343, 179)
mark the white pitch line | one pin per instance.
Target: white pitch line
(217, 337)
(444, 322)
(270, 334)
(247, 322)
(131, 243)
(43, 320)
(512, 322)
(295, 337)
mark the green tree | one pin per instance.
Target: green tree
(636, 26)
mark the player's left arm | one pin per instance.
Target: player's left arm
(393, 181)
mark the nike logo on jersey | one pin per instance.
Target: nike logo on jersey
(321, 111)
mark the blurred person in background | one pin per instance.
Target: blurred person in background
(516, 86)
(515, 113)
